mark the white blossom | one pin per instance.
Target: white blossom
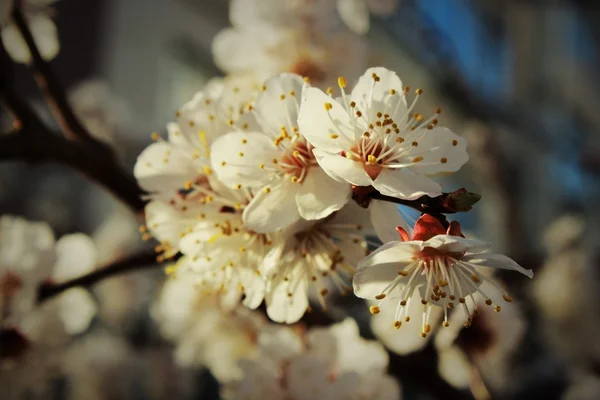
(330, 363)
(38, 15)
(372, 137)
(437, 263)
(29, 258)
(205, 333)
(277, 161)
(270, 36)
(311, 259)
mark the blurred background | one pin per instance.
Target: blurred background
(518, 78)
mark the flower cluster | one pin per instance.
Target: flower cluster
(29, 258)
(324, 363)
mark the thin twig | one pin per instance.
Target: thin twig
(52, 89)
(35, 143)
(143, 260)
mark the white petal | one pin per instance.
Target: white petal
(254, 287)
(496, 261)
(161, 168)
(277, 105)
(370, 282)
(237, 158)
(455, 368)
(234, 50)
(372, 97)
(342, 168)
(279, 343)
(456, 244)
(385, 217)
(44, 34)
(274, 207)
(284, 308)
(400, 183)
(319, 195)
(438, 150)
(317, 124)
(392, 252)
(407, 338)
(355, 15)
(76, 255)
(77, 309)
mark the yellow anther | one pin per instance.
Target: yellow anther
(418, 159)
(324, 292)
(414, 144)
(475, 278)
(444, 160)
(392, 91)
(488, 302)
(238, 186)
(328, 106)
(342, 82)
(263, 88)
(507, 298)
(497, 308)
(419, 92)
(397, 324)
(155, 136)
(223, 163)
(400, 140)
(292, 93)
(241, 154)
(261, 166)
(329, 90)
(374, 310)
(406, 319)
(296, 153)
(454, 142)
(402, 273)
(375, 77)
(274, 161)
(333, 136)
(359, 114)
(352, 104)
(282, 97)
(294, 179)
(188, 185)
(438, 110)
(371, 159)
(267, 190)
(244, 141)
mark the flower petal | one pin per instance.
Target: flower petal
(237, 158)
(385, 95)
(499, 261)
(77, 309)
(44, 34)
(274, 207)
(355, 15)
(343, 169)
(401, 184)
(319, 195)
(317, 123)
(456, 244)
(385, 217)
(76, 255)
(442, 151)
(162, 168)
(392, 252)
(287, 303)
(278, 103)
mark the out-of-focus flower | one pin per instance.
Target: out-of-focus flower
(270, 37)
(38, 16)
(566, 288)
(277, 162)
(29, 258)
(373, 138)
(313, 257)
(331, 363)
(205, 333)
(437, 263)
(487, 346)
(355, 13)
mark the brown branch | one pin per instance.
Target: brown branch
(143, 260)
(48, 83)
(35, 143)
